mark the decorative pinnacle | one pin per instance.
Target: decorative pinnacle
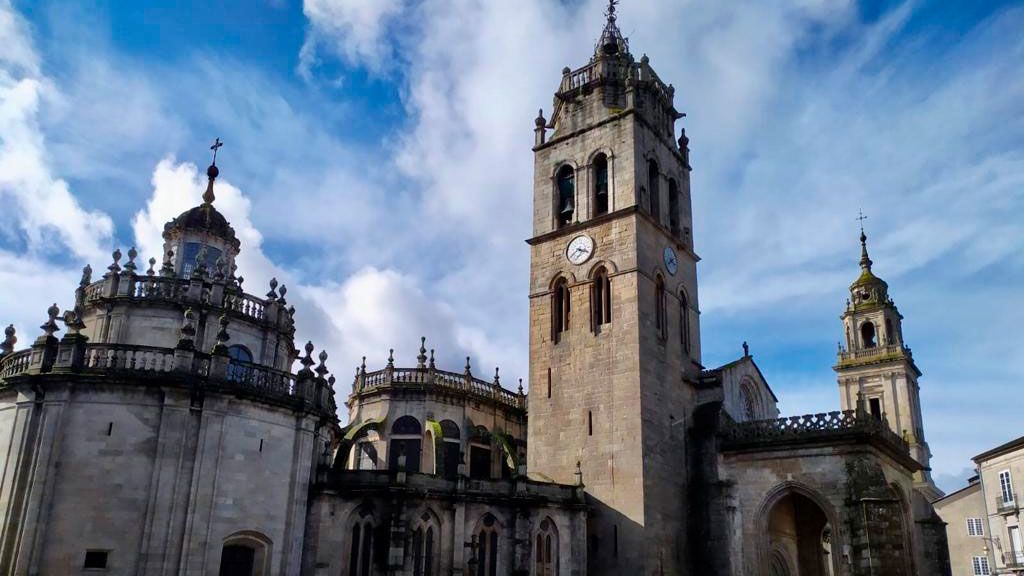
(391, 357)
(520, 386)
(321, 370)
(151, 271)
(86, 276)
(497, 379)
(865, 261)
(50, 326)
(283, 291)
(468, 370)
(7, 346)
(132, 255)
(610, 11)
(211, 173)
(272, 295)
(421, 359)
(431, 364)
(362, 367)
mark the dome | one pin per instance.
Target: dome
(203, 218)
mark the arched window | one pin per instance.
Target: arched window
(360, 557)
(545, 554)
(652, 185)
(239, 353)
(424, 546)
(487, 547)
(673, 206)
(566, 195)
(245, 553)
(406, 440)
(480, 454)
(601, 299)
(749, 398)
(889, 336)
(867, 335)
(659, 307)
(452, 449)
(560, 307)
(240, 366)
(684, 322)
(600, 170)
(366, 456)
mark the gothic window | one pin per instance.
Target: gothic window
(684, 322)
(749, 398)
(673, 206)
(566, 206)
(545, 554)
(452, 449)
(361, 549)
(406, 440)
(652, 185)
(867, 335)
(600, 170)
(601, 299)
(423, 552)
(487, 547)
(560, 309)
(191, 252)
(659, 307)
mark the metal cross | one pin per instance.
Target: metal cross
(862, 218)
(216, 146)
(611, 9)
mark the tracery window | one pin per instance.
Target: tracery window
(360, 561)
(600, 171)
(560, 307)
(566, 207)
(601, 299)
(423, 552)
(487, 547)
(545, 553)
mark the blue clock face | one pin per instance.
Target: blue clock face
(671, 262)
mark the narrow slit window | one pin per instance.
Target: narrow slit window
(600, 185)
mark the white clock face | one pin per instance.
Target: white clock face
(671, 262)
(580, 249)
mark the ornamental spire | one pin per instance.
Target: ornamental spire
(211, 173)
(612, 42)
(865, 261)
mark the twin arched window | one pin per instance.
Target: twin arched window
(424, 556)
(360, 558)
(487, 547)
(545, 555)
(600, 171)
(566, 207)
(560, 307)
(601, 299)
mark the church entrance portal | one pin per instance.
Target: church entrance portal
(799, 538)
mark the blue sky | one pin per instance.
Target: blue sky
(377, 160)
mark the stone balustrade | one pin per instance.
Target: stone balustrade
(811, 427)
(891, 351)
(600, 70)
(440, 379)
(14, 364)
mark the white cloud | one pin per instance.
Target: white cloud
(356, 29)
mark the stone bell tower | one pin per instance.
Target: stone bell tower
(614, 321)
(876, 368)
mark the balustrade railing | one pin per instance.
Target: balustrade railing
(1006, 503)
(1013, 559)
(154, 287)
(15, 363)
(175, 289)
(440, 379)
(261, 378)
(603, 69)
(895, 350)
(132, 358)
(811, 426)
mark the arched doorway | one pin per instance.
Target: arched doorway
(800, 537)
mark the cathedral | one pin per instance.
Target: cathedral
(166, 423)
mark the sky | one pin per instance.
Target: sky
(377, 161)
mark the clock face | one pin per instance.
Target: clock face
(580, 249)
(671, 262)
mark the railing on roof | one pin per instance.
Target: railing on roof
(602, 69)
(812, 427)
(15, 363)
(877, 352)
(429, 377)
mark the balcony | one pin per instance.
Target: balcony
(1013, 559)
(1006, 505)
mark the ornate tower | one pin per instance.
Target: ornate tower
(614, 332)
(875, 366)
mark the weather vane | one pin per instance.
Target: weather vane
(216, 146)
(611, 9)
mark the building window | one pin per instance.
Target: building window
(549, 382)
(601, 300)
(95, 559)
(566, 195)
(867, 335)
(684, 322)
(600, 169)
(487, 547)
(366, 456)
(981, 566)
(875, 405)
(560, 308)
(890, 338)
(545, 554)
(660, 320)
(406, 439)
(975, 527)
(237, 560)
(1006, 486)
(423, 551)
(361, 549)
(652, 185)
(191, 253)
(590, 423)
(480, 462)
(452, 449)
(673, 206)
(240, 367)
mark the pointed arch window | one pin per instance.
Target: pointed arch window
(600, 170)
(424, 553)
(487, 547)
(560, 308)
(684, 322)
(601, 299)
(659, 307)
(673, 206)
(566, 207)
(545, 554)
(652, 185)
(360, 561)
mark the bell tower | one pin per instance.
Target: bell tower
(876, 368)
(614, 320)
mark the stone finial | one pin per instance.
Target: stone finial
(746, 350)
(283, 291)
(497, 379)
(540, 125)
(167, 270)
(321, 370)
(421, 358)
(469, 370)
(10, 339)
(86, 276)
(430, 364)
(539, 121)
(520, 386)
(73, 321)
(391, 358)
(362, 367)
(221, 347)
(114, 267)
(151, 271)
(272, 295)
(566, 71)
(240, 280)
(579, 473)
(187, 333)
(130, 265)
(307, 360)
(50, 326)
(330, 381)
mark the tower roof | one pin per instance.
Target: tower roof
(611, 41)
(205, 218)
(867, 277)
